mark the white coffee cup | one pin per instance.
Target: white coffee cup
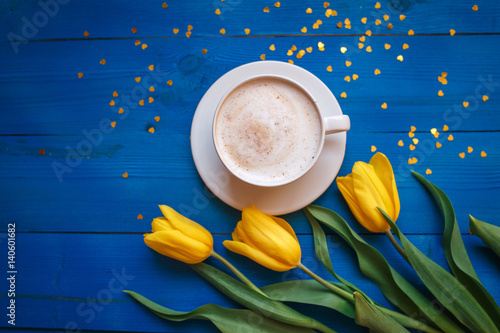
(268, 130)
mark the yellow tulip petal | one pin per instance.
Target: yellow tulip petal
(257, 256)
(187, 226)
(174, 244)
(346, 187)
(371, 193)
(285, 225)
(161, 223)
(383, 169)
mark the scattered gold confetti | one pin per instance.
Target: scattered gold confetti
(309, 11)
(151, 99)
(440, 93)
(405, 46)
(272, 47)
(386, 17)
(470, 149)
(465, 104)
(170, 82)
(347, 23)
(412, 160)
(112, 103)
(277, 4)
(217, 11)
(222, 31)
(355, 77)
(138, 79)
(289, 53)
(134, 30)
(413, 128)
(247, 31)
(85, 33)
(157, 118)
(343, 95)
(348, 63)
(120, 111)
(266, 9)
(137, 42)
(361, 45)
(309, 49)
(362, 38)
(485, 98)
(151, 130)
(188, 34)
(401, 143)
(190, 27)
(368, 32)
(80, 75)
(329, 13)
(389, 26)
(263, 56)
(412, 147)
(377, 5)
(368, 48)
(152, 89)
(151, 67)
(176, 31)
(462, 155)
(300, 54)
(384, 106)
(400, 57)
(113, 124)
(452, 32)
(445, 128)
(433, 131)
(290, 61)
(363, 20)
(378, 22)
(339, 25)
(141, 102)
(144, 46)
(415, 141)
(442, 80)
(483, 154)
(139, 217)
(439, 144)
(428, 171)
(347, 78)
(387, 46)
(411, 32)
(125, 175)
(373, 149)
(42, 152)
(377, 71)
(450, 137)
(411, 134)
(444, 74)
(103, 62)
(164, 5)
(326, 4)
(343, 49)
(402, 17)
(321, 45)
(329, 68)
(303, 30)
(475, 8)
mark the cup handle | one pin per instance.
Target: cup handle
(336, 124)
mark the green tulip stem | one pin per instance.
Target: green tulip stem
(339, 291)
(237, 272)
(396, 245)
(399, 317)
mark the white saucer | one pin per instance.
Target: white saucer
(271, 200)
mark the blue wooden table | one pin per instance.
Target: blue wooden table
(87, 151)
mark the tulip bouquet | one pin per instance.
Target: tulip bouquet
(371, 193)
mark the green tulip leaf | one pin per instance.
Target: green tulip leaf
(226, 320)
(255, 301)
(370, 316)
(373, 264)
(309, 292)
(456, 254)
(489, 233)
(445, 287)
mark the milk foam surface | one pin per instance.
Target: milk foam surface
(268, 131)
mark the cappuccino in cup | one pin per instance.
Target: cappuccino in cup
(268, 131)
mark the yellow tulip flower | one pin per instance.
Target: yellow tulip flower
(267, 240)
(178, 237)
(370, 186)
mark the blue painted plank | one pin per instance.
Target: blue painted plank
(42, 94)
(95, 197)
(78, 278)
(28, 20)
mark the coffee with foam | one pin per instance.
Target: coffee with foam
(268, 131)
